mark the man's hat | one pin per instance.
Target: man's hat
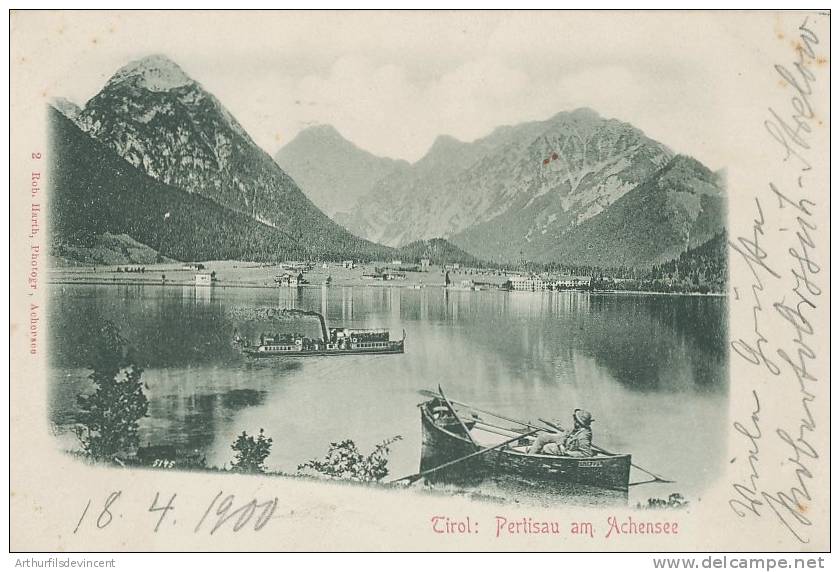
(583, 417)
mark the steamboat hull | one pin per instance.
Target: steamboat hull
(396, 348)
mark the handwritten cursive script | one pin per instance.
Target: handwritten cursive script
(785, 352)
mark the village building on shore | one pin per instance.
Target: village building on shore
(539, 283)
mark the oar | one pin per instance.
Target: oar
(490, 428)
(421, 474)
(556, 428)
(647, 482)
(455, 414)
(656, 478)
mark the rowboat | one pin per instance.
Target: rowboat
(447, 437)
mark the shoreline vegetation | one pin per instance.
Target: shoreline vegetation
(243, 274)
(441, 490)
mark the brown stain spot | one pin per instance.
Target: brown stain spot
(801, 508)
(777, 27)
(94, 41)
(821, 61)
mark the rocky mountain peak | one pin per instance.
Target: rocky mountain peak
(443, 144)
(447, 150)
(66, 107)
(154, 73)
(585, 121)
(321, 131)
(582, 114)
(317, 139)
(331, 170)
(686, 163)
(161, 121)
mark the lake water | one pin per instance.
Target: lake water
(652, 369)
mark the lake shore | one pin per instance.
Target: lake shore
(233, 274)
(237, 274)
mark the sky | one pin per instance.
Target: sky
(392, 82)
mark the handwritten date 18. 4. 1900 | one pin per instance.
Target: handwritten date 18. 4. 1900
(222, 511)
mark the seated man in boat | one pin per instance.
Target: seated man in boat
(574, 443)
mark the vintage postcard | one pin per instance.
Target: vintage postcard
(420, 281)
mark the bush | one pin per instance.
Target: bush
(345, 461)
(251, 453)
(108, 418)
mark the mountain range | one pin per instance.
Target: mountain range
(576, 187)
(104, 210)
(153, 164)
(155, 160)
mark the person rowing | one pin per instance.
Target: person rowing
(574, 443)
